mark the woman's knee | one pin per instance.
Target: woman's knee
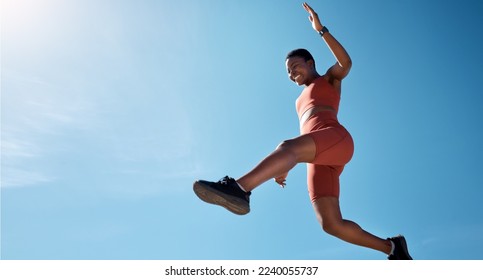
(286, 145)
(328, 214)
(331, 227)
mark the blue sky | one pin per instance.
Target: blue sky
(111, 109)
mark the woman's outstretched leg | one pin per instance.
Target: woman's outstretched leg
(228, 193)
(280, 161)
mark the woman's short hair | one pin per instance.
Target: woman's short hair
(303, 53)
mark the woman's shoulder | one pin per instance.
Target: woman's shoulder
(328, 82)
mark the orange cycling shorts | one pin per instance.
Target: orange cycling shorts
(334, 149)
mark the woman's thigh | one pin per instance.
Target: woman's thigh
(302, 147)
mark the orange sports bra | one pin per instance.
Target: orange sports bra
(318, 93)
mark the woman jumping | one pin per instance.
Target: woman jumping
(324, 144)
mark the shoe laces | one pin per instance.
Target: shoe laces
(225, 180)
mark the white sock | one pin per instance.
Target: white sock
(392, 247)
(241, 187)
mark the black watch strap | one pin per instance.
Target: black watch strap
(323, 31)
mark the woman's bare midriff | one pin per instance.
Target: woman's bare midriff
(313, 110)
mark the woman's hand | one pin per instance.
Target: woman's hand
(280, 179)
(313, 17)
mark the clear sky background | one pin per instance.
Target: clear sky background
(111, 109)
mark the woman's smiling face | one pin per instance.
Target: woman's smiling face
(299, 70)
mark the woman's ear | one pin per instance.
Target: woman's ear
(311, 62)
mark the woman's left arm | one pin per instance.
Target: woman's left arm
(344, 63)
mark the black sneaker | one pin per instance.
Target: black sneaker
(226, 193)
(400, 249)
